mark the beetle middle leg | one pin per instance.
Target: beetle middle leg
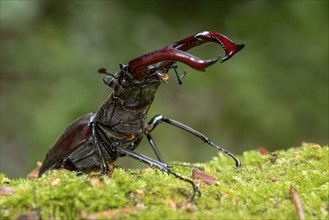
(154, 147)
(156, 120)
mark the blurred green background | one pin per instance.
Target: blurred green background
(274, 93)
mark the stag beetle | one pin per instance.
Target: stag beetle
(95, 140)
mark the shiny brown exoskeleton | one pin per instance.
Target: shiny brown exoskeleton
(95, 140)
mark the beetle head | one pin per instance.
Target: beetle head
(155, 65)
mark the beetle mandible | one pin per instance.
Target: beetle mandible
(95, 140)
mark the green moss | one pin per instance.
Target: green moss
(258, 190)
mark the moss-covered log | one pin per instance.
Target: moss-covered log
(261, 189)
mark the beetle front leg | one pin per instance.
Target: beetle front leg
(156, 120)
(96, 138)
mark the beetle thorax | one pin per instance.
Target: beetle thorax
(125, 110)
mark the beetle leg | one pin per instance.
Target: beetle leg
(156, 120)
(128, 151)
(161, 166)
(99, 147)
(67, 162)
(160, 158)
(154, 147)
(179, 78)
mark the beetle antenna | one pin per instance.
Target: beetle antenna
(103, 70)
(179, 77)
(108, 79)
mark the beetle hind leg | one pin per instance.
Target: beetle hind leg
(68, 164)
(161, 166)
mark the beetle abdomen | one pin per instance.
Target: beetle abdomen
(72, 137)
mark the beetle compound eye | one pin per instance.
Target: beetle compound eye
(108, 80)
